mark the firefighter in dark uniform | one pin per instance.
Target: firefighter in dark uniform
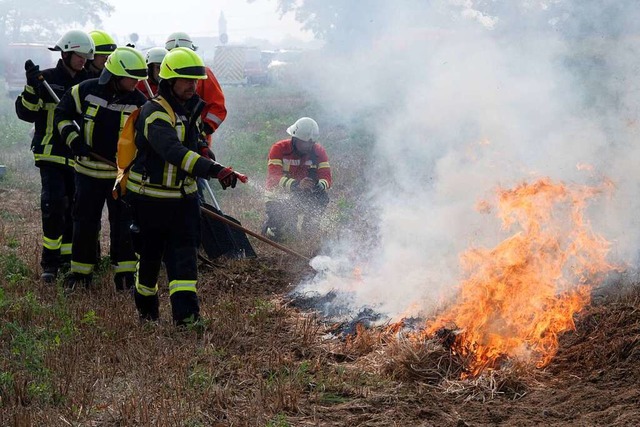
(105, 45)
(162, 188)
(53, 158)
(100, 107)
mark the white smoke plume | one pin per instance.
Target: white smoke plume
(462, 107)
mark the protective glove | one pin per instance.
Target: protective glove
(79, 148)
(306, 184)
(34, 76)
(225, 175)
(206, 152)
(227, 178)
(319, 188)
(206, 128)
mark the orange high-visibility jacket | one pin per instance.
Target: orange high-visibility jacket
(286, 167)
(210, 91)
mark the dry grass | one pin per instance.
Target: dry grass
(83, 359)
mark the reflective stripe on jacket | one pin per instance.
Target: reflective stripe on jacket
(37, 106)
(286, 167)
(167, 159)
(101, 115)
(211, 93)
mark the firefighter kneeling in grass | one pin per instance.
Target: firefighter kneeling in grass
(162, 190)
(298, 177)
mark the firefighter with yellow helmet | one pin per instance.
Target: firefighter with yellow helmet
(36, 105)
(100, 107)
(162, 189)
(209, 90)
(105, 45)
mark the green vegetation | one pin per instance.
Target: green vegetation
(83, 356)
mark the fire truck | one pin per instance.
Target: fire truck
(12, 59)
(241, 65)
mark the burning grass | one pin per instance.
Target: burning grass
(518, 297)
(84, 359)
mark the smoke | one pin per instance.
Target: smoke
(466, 101)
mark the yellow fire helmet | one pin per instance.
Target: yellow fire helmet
(183, 63)
(125, 62)
(103, 41)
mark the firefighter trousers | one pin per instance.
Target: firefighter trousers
(282, 215)
(169, 230)
(56, 199)
(91, 195)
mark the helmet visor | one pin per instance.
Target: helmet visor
(194, 72)
(84, 55)
(137, 73)
(105, 49)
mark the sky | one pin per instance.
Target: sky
(199, 18)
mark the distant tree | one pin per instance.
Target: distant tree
(574, 19)
(344, 24)
(22, 20)
(350, 23)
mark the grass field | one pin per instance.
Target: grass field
(84, 359)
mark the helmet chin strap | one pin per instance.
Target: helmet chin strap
(66, 59)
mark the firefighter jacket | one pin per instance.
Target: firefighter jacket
(36, 105)
(214, 111)
(101, 114)
(210, 92)
(167, 161)
(286, 167)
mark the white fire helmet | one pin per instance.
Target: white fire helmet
(305, 129)
(155, 55)
(179, 39)
(76, 41)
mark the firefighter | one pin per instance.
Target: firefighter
(154, 58)
(208, 89)
(36, 105)
(105, 45)
(162, 191)
(298, 177)
(100, 107)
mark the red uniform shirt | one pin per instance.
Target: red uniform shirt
(286, 167)
(143, 88)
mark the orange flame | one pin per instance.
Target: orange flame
(519, 296)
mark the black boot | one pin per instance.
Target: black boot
(65, 264)
(77, 280)
(49, 273)
(148, 306)
(124, 281)
(185, 308)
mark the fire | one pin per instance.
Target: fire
(518, 297)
